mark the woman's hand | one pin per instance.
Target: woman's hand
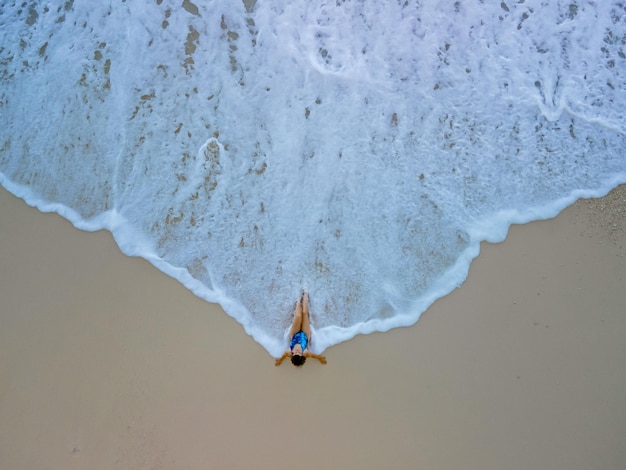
(280, 360)
(322, 359)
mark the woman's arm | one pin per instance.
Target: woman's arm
(322, 359)
(280, 360)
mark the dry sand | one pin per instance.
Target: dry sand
(107, 363)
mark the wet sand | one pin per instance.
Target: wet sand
(107, 363)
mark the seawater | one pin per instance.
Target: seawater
(361, 150)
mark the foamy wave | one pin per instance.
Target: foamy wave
(359, 150)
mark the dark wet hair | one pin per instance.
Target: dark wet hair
(297, 360)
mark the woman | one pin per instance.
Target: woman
(300, 335)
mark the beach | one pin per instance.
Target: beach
(106, 363)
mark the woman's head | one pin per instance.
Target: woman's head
(297, 360)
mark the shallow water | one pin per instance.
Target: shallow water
(360, 150)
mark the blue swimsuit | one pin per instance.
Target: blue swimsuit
(299, 338)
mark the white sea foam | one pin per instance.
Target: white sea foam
(360, 150)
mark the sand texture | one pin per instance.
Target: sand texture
(106, 363)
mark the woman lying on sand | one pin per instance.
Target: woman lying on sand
(300, 335)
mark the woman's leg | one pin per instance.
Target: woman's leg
(306, 325)
(297, 321)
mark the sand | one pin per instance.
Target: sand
(107, 363)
